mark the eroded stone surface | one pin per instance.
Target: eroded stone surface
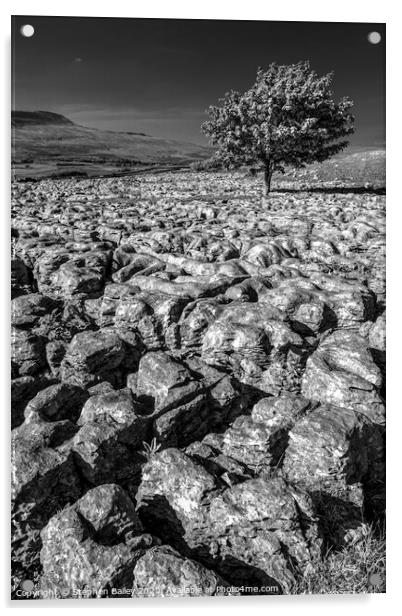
(93, 545)
(163, 572)
(217, 358)
(238, 530)
(44, 479)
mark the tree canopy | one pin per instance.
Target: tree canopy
(287, 117)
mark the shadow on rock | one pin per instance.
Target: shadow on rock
(171, 531)
(338, 519)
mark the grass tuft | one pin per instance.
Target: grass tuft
(357, 568)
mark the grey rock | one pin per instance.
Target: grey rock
(44, 479)
(93, 545)
(336, 453)
(23, 389)
(113, 428)
(163, 572)
(342, 372)
(119, 409)
(27, 352)
(56, 402)
(259, 440)
(55, 352)
(21, 278)
(92, 357)
(26, 310)
(239, 530)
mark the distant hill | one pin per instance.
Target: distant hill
(22, 119)
(48, 144)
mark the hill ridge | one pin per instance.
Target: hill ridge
(45, 143)
(20, 118)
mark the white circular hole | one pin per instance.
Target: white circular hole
(374, 38)
(27, 30)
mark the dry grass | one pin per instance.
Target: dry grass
(357, 568)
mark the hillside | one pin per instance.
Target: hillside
(349, 168)
(48, 144)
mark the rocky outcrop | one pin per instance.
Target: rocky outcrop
(259, 440)
(56, 402)
(336, 454)
(92, 357)
(44, 479)
(198, 382)
(93, 546)
(24, 389)
(107, 445)
(164, 572)
(342, 372)
(27, 353)
(252, 531)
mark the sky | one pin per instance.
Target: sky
(158, 76)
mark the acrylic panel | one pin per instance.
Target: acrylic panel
(198, 308)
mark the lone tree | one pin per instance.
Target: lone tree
(288, 117)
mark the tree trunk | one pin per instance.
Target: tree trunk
(267, 179)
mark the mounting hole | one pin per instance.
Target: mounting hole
(27, 30)
(374, 38)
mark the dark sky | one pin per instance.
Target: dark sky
(158, 76)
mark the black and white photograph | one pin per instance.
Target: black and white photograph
(198, 308)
